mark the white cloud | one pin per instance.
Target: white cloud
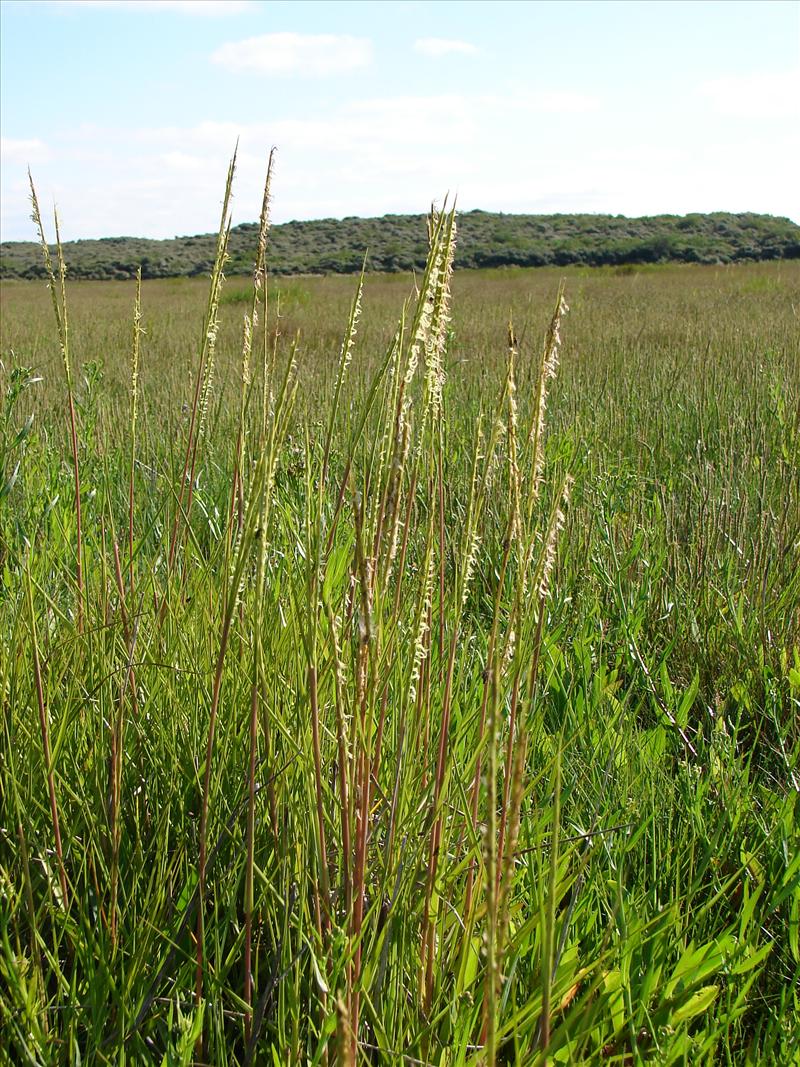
(203, 8)
(774, 95)
(443, 46)
(22, 151)
(409, 120)
(551, 102)
(306, 55)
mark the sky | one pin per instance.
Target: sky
(127, 111)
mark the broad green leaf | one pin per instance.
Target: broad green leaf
(696, 1004)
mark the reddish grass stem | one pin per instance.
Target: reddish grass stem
(46, 752)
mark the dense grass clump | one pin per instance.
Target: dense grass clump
(372, 693)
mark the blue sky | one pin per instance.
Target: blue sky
(127, 112)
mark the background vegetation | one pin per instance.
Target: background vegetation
(269, 726)
(398, 243)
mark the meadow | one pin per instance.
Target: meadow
(418, 680)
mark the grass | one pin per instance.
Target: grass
(413, 703)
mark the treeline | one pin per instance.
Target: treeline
(399, 243)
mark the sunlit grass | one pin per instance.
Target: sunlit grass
(393, 716)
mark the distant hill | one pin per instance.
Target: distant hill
(398, 242)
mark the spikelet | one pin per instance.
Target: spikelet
(442, 318)
(422, 626)
(212, 313)
(349, 339)
(469, 565)
(555, 526)
(515, 530)
(259, 276)
(60, 314)
(335, 625)
(137, 333)
(436, 340)
(212, 329)
(345, 356)
(259, 269)
(508, 650)
(547, 370)
(208, 368)
(421, 332)
(247, 347)
(426, 300)
(472, 537)
(494, 454)
(62, 278)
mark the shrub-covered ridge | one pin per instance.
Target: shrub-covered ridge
(398, 242)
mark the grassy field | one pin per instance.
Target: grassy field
(420, 694)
